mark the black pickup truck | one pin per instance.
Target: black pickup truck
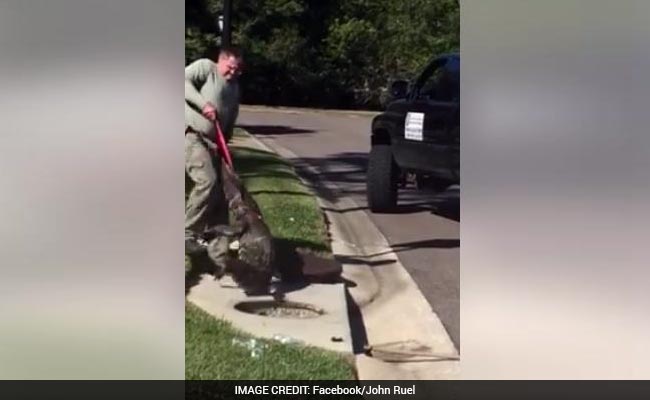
(417, 135)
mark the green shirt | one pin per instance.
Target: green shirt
(204, 85)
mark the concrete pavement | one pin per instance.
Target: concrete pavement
(330, 331)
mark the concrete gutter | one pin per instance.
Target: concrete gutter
(391, 307)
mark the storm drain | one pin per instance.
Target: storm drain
(280, 309)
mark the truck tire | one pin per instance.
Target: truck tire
(381, 179)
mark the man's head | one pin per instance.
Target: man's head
(229, 63)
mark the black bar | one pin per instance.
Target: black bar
(429, 390)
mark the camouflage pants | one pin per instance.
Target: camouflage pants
(206, 205)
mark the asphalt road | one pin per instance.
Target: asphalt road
(425, 231)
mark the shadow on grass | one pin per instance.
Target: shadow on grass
(248, 156)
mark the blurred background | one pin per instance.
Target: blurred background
(90, 153)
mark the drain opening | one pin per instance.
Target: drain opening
(280, 309)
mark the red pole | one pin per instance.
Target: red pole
(221, 144)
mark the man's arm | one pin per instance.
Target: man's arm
(195, 76)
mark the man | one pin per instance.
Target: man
(211, 94)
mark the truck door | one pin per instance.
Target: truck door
(435, 99)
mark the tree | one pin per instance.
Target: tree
(336, 53)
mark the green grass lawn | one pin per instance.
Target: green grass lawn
(297, 223)
(289, 208)
(210, 354)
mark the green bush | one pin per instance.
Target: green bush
(333, 54)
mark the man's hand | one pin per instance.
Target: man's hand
(210, 112)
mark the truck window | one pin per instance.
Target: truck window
(441, 81)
